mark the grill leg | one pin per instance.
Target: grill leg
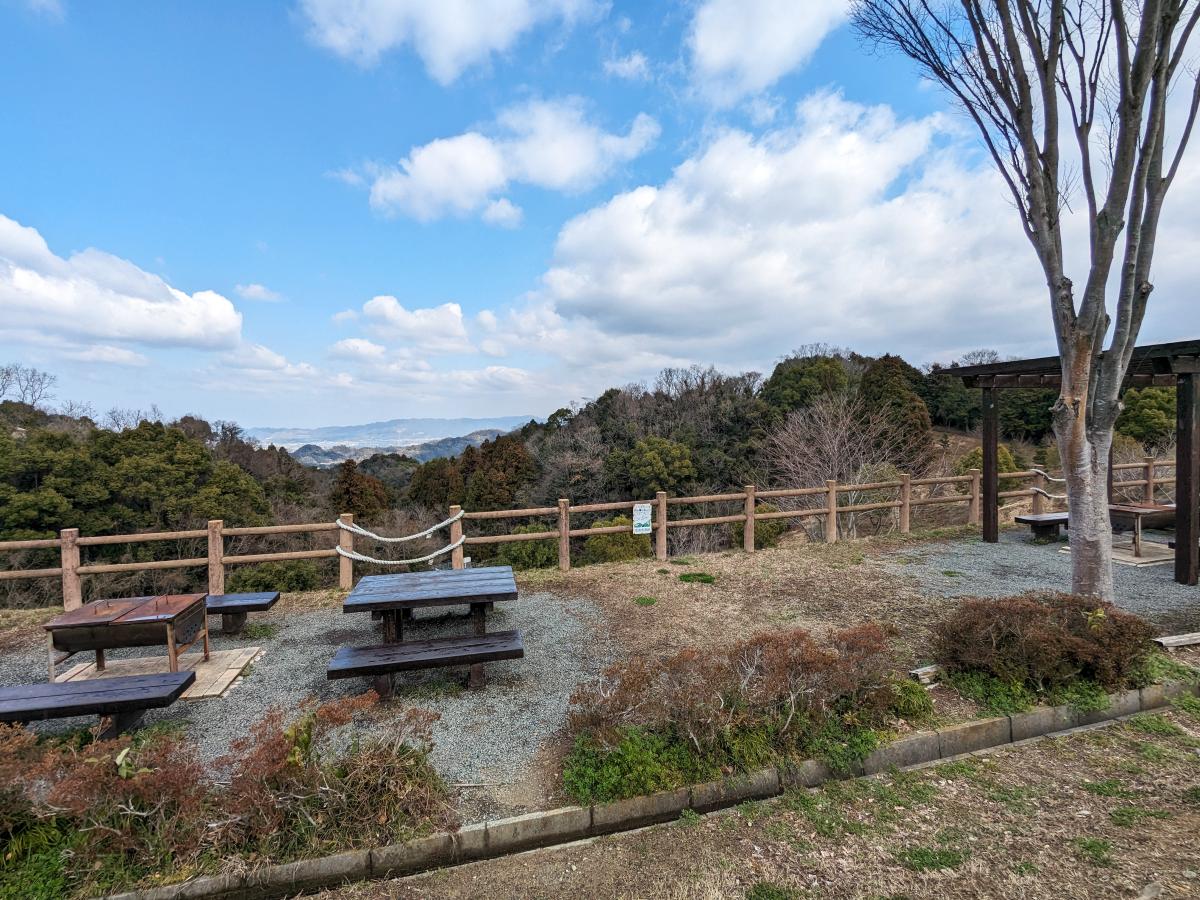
(477, 679)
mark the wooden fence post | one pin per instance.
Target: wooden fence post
(1149, 491)
(456, 532)
(345, 564)
(564, 535)
(905, 504)
(831, 525)
(974, 512)
(216, 551)
(72, 591)
(660, 526)
(1039, 484)
(748, 538)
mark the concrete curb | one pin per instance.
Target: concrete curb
(560, 826)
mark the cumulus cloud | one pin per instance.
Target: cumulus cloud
(258, 292)
(436, 329)
(449, 37)
(93, 295)
(358, 348)
(108, 355)
(546, 143)
(740, 47)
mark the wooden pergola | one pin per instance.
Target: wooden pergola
(1165, 365)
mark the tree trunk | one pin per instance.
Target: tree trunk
(1085, 459)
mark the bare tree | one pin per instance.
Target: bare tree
(26, 384)
(1070, 94)
(838, 438)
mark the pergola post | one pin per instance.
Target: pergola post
(991, 466)
(1187, 474)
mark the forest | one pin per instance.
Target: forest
(823, 412)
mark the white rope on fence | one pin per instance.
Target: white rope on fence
(359, 530)
(359, 557)
(1048, 476)
(1048, 496)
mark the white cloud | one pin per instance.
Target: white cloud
(263, 361)
(546, 143)
(51, 9)
(449, 36)
(108, 355)
(258, 292)
(437, 329)
(633, 67)
(93, 295)
(344, 316)
(740, 47)
(358, 348)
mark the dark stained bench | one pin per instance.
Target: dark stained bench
(123, 698)
(1045, 525)
(383, 660)
(233, 608)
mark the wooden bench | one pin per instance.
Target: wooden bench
(121, 699)
(232, 608)
(383, 660)
(1045, 526)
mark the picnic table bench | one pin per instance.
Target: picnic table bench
(394, 597)
(122, 699)
(1044, 525)
(232, 608)
(1134, 516)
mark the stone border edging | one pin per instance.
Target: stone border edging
(501, 837)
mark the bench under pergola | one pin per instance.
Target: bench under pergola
(1164, 365)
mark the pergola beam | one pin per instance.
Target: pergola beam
(1187, 484)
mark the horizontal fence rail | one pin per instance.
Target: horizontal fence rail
(964, 489)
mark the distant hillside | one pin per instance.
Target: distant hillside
(324, 457)
(394, 434)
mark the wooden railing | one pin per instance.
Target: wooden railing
(910, 493)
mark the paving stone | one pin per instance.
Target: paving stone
(635, 812)
(538, 829)
(972, 736)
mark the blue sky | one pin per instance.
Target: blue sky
(311, 212)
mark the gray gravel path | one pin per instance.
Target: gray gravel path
(489, 736)
(971, 568)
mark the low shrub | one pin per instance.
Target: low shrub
(1005, 462)
(767, 532)
(697, 578)
(90, 818)
(296, 575)
(602, 548)
(1043, 642)
(529, 554)
(777, 695)
(911, 701)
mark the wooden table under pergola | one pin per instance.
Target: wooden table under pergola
(1163, 365)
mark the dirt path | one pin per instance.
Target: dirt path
(1108, 813)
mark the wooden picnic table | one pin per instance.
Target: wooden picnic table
(177, 620)
(395, 596)
(1135, 515)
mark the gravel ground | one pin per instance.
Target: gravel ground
(971, 568)
(488, 737)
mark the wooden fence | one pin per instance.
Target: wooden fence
(909, 494)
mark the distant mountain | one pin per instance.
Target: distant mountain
(392, 435)
(324, 457)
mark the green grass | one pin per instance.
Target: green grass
(663, 571)
(960, 768)
(1000, 698)
(1192, 795)
(1160, 667)
(683, 561)
(950, 573)
(1109, 787)
(645, 601)
(259, 631)
(1025, 868)
(1095, 850)
(1150, 723)
(697, 578)
(689, 818)
(930, 859)
(1081, 695)
(770, 890)
(1189, 705)
(1131, 816)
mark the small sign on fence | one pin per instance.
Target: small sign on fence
(641, 518)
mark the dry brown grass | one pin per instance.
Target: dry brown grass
(815, 586)
(22, 627)
(1017, 816)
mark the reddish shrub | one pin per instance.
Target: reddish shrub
(1044, 640)
(779, 678)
